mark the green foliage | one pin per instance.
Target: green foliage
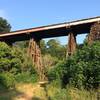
(26, 77)
(14, 65)
(57, 72)
(22, 44)
(4, 25)
(43, 47)
(88, 59)
(49, 61)
(9, 58)
(52, 47)
(56, 49)
(56, 92)
(62, 94)
(7, 80)
(80, 70)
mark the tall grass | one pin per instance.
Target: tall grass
(70, 93)
(53, 92)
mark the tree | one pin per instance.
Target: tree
(43, 47)
(15, 66)
(49, 61)
(10, 59)
(53, 43)
(4, 26)
(56, 49)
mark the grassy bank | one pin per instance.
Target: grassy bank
(35, 92)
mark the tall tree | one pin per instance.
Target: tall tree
(4, 25)
(56, 49)
(43, 47)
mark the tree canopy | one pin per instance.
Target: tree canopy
(4, 25)
(53, 48)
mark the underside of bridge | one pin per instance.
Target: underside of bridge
(70, 29)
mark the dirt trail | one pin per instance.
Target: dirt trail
(30, 92)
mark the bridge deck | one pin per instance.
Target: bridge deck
(55, 30)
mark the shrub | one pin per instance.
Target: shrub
(56, 72)
(56, 93)
(62, 94)
(8, 60)
(88, 58)
(80, 70)
(15, 64)
(26, 77)
(7, 80)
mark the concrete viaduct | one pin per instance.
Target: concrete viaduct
(70, 29)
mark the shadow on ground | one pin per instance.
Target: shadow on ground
(9, 94)
(36, 98)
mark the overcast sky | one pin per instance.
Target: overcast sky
(31, 13)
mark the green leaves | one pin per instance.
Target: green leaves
(7, 79)
(14, 64)
(53, 48)
(82, 69)
(4, 25)
(8, 59)
(5, 51)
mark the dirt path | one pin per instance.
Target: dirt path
(30, 92)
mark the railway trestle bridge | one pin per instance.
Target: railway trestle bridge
(70, 29)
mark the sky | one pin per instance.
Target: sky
(23, 14)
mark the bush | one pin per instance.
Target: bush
(80, 70)
(26, 77)
(7, 80)
(56, 72)
(88, 59)
(56, 93)
(15, 64)
(62, 94)
(8, 59)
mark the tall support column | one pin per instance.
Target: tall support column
(71, 48)
(34, 51)
(94, 33)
